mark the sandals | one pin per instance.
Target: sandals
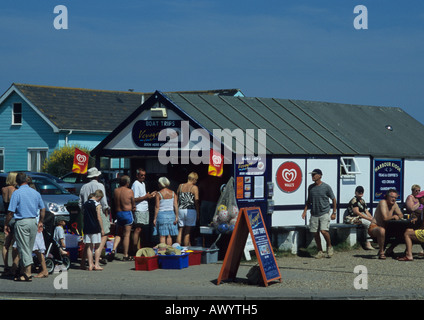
(405, 258)
(382, 256)
(129, 258)
(23, 277)
(41, 275)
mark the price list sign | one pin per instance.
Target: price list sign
(250, 220)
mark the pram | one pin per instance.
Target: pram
(53, 255)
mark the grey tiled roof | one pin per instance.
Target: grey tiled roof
(88, 109)
(297, 127)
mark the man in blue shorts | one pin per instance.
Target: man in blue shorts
(124, 206)
(318, 194)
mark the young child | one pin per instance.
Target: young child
(93, 230)
(59, 236)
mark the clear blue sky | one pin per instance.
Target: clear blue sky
(272, 48)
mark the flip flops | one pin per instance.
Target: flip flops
(405, 258)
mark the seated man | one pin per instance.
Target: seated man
(412, 235)
(387, 209)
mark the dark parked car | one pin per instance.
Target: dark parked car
(68, 186)
(75, 179)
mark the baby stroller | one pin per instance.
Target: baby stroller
(53, 255)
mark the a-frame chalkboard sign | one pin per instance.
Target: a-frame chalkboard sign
(250, 220)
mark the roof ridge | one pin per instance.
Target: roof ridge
(85, 89)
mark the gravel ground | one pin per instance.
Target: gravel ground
(302, 278)
(335, 277)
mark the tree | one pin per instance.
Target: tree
(61, 159)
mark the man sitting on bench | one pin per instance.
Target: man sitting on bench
(387, 209)
(412, 235)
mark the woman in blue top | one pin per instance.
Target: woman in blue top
(166, 213)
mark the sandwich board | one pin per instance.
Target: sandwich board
(250, 221)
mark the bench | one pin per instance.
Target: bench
(291, 238)
(343, 232)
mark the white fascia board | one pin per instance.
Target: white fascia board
(12, 89)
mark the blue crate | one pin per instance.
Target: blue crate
(173, 261)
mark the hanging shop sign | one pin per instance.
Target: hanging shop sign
(387, 175)
(145, 133)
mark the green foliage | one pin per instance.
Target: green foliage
(61, 160)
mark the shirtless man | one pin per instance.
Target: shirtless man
(124, 206)
(387, 209)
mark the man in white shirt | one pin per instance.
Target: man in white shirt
(91, 187)
(141, 214)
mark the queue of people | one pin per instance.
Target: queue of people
(175, 214)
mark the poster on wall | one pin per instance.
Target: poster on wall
(387, 175)
(289, 177)
(250, 181)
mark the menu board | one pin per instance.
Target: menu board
(250, 220)
(387, 175)
(262, 244)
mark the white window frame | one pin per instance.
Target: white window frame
(38, 160)
(351, 169)
(3, 157)
(14, 113)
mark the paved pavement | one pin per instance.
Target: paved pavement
(302, 278)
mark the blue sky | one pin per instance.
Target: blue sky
(282, 49)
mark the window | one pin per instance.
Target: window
(1, 160)
(349, 166)
(17, 113)
(36, 159)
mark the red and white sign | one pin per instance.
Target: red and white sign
(289, 176)
(80, 161)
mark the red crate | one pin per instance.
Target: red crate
(146, 263)
(195, 258)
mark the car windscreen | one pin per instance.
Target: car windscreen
(47, 186)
